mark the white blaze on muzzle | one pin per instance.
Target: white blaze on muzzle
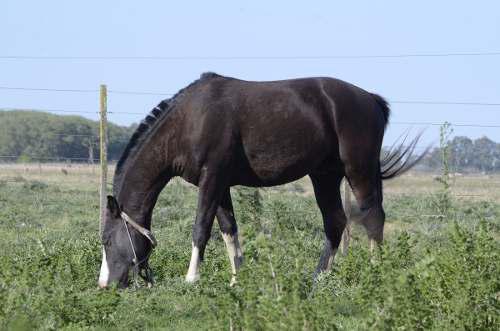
(104, 274)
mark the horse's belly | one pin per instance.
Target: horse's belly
(284, 142)
(275, 166)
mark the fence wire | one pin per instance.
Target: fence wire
(251, 57)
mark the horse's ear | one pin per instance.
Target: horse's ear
(113, 206)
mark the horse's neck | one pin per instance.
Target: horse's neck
(139, 190)
(147, 172)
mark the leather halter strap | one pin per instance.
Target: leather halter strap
(145, 232)
(148, 275)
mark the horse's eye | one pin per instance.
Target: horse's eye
(106, 241)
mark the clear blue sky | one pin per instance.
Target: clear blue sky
(256, 28)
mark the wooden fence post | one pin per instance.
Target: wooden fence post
(346, 236)
(103, 142)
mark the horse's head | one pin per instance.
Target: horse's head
(126, 245)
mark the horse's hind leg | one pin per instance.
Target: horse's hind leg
(367, 188)
(229, 229)
(327, 192)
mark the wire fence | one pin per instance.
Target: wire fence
(482, 106)
(156, 93)
(252, 57)
(49, 163)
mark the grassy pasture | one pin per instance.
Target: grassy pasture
(432, 272)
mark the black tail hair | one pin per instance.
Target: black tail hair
(399, 160)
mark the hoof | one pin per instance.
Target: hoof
(192, 278)
(232, 283)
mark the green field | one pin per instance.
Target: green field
(438, 270)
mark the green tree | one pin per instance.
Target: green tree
(38, 136)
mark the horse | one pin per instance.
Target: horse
(219, 132)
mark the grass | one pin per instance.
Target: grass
(432, 273)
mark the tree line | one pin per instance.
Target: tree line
(466, 155)
(29, 136)
(44, 137)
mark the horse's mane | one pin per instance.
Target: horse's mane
(148, 123)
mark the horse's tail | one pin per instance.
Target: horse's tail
(400, 159)
(384, 106)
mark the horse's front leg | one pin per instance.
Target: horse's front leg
(211, 189)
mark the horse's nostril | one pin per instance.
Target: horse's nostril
(102, 284)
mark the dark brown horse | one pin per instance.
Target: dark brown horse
(219, 132)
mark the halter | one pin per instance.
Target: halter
(148, 273)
